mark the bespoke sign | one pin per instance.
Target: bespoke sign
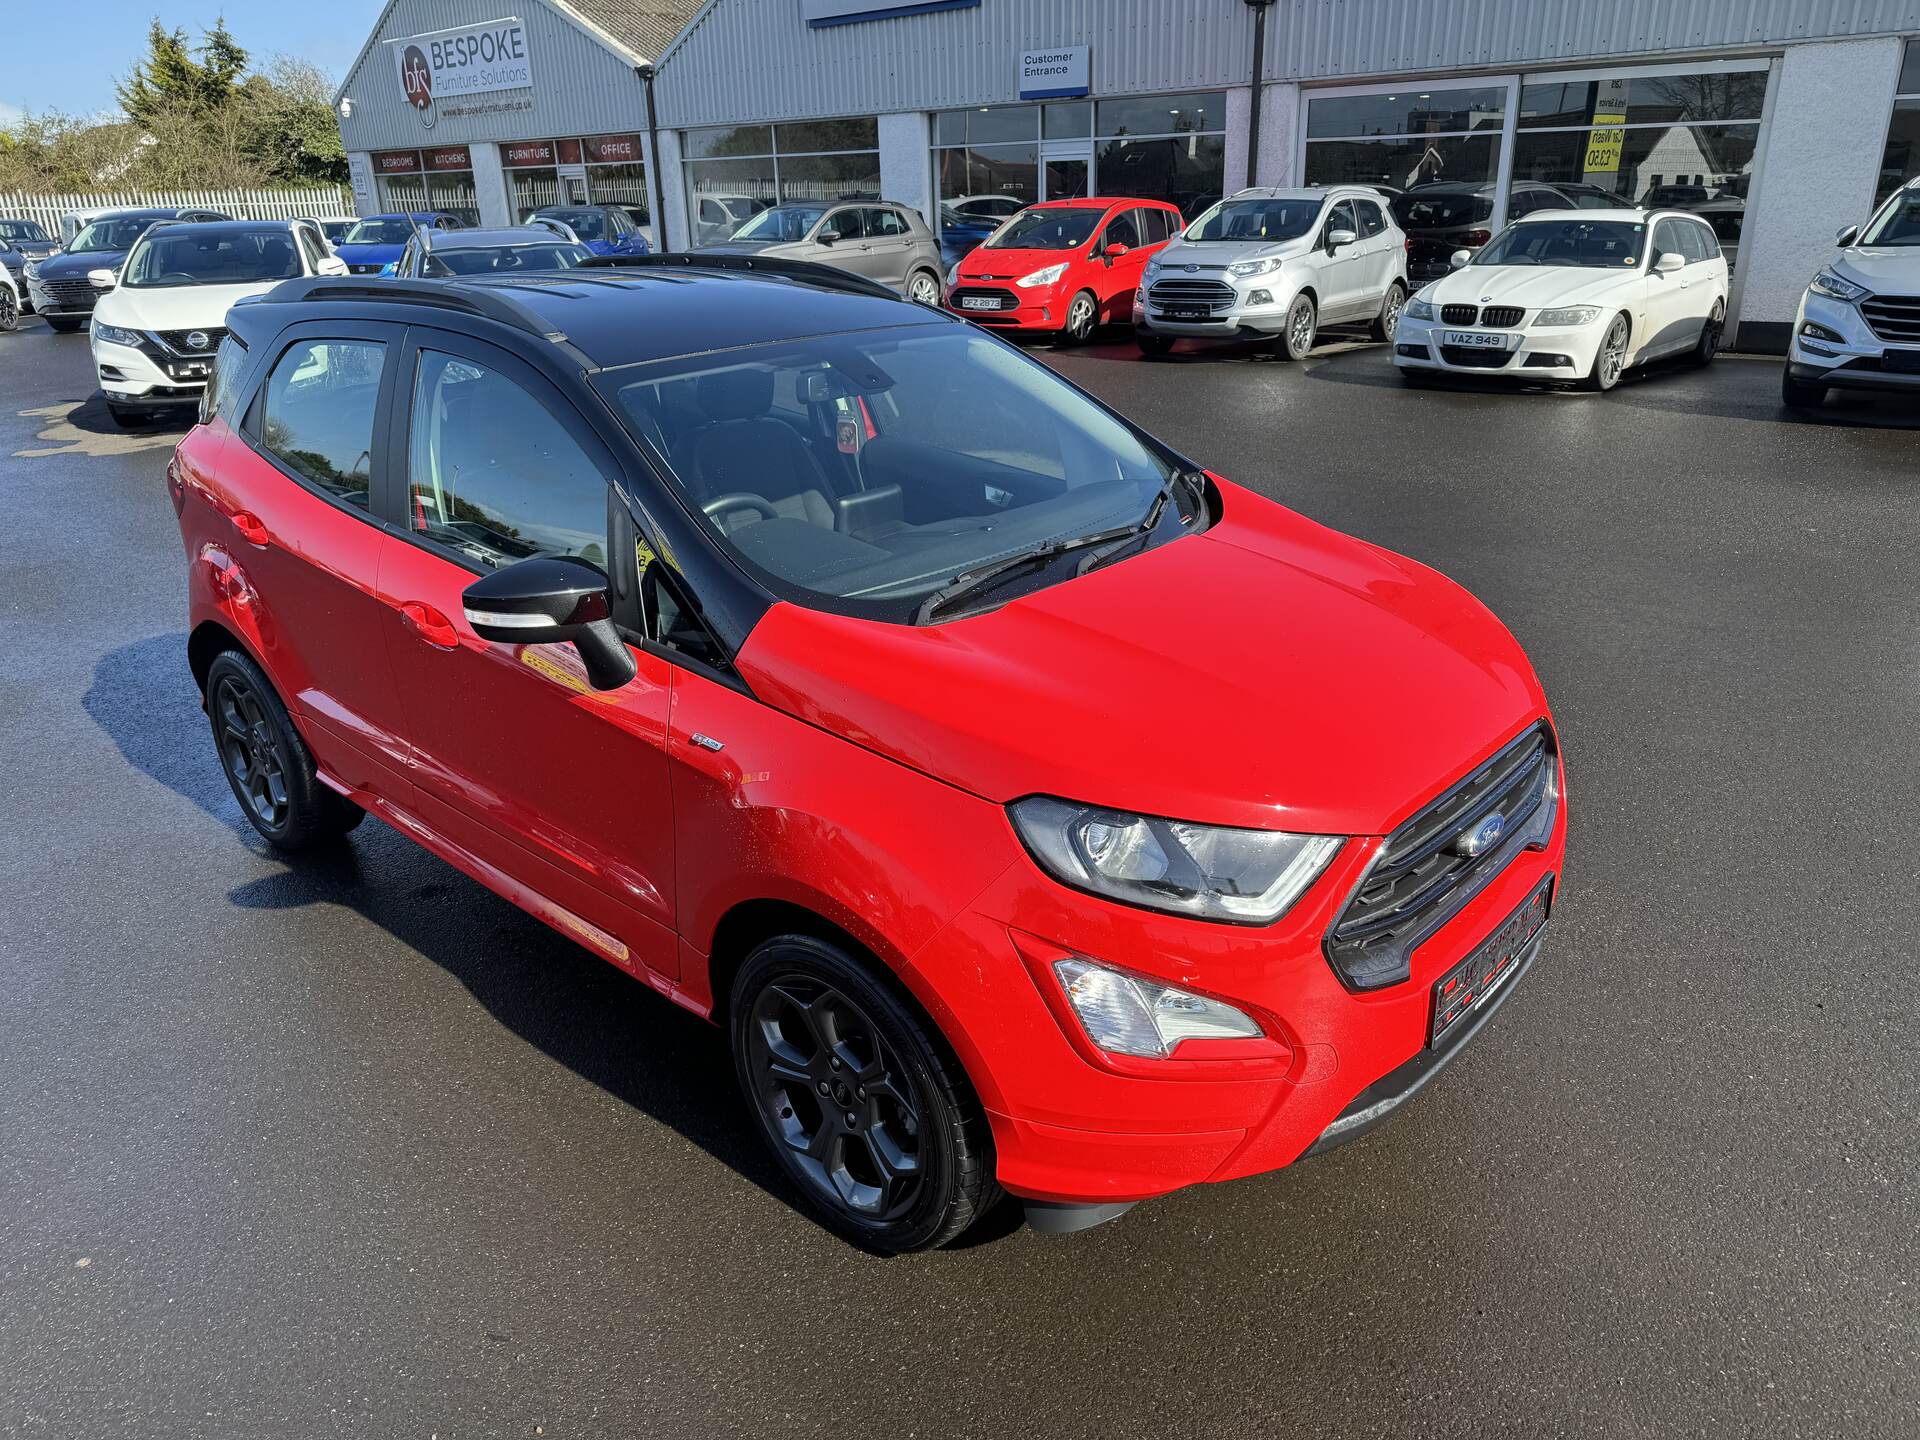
(467, 60)
(821, 13)
(1050, 74)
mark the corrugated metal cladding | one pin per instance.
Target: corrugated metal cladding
(1338, 39)
(579, 86)
(755, 60)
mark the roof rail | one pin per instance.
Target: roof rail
(804, 271)
(475, 299)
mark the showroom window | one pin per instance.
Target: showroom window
(1671, 139)
(1410, 136)
(993, 161)
(408, 181)
(735, 171)
(598, 170)
(1900, 161)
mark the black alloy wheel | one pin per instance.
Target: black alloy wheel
(9, 311)
(251, 752)
(267, 764)
(862, 1106)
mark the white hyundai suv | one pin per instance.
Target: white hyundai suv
(1277, 265)
(1859, 322)
(165, 313)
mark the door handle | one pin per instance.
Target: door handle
(250, 528)
(430, 625)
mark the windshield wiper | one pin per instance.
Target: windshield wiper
(971, 584)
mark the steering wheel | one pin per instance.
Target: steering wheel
(739, 500)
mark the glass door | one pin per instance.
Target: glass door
(1064, 169)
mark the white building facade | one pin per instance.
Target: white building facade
(1777, 120)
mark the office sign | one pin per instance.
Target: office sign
(613, 149)
(1049, 74)
(466, 60)
(821, 13)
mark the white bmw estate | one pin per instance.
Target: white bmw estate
(1571, 296)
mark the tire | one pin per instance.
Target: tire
(1083, 318)
(1798, 395)
(1708, 345)
(63, 324)
(267, 764)
(1295, 342)
(9, 311)
(810, 1022)
(1610, 360)
(1155, 346)
(1387, 323)
(923, 288)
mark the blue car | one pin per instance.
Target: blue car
(603, 229)
(58, 285)
(21, 241)
(372, 246)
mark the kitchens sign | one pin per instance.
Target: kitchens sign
(466, 60)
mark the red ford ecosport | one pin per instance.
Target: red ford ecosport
(1036, 812)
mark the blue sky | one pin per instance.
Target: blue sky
(66, 57)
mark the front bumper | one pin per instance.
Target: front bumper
(1244, 316)
(63, 299)
(1854, 358)
(1530, 352)
(135, 375)
(1017, 309)
(1072, 1126)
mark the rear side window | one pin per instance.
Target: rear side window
(317, 417)
(1697, 242)
(1372, 222)
(886, 222)
(493, 475)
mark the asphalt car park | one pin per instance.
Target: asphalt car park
(352, 1145)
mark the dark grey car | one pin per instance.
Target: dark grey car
(875, 238)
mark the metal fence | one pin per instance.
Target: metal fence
(241, 204)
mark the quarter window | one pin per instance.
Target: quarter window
(493, 475)
(317, 418)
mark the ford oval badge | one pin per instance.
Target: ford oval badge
(1483, 837)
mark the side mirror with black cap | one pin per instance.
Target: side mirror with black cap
(553, 600)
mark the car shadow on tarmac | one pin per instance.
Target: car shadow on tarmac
(602, 1024)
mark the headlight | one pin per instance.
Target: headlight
(1572, 315)
(1132, 1015)
(1048, 276)
(1418, 309)
(1242, 269)
(114, 335)
(1208, 872)
(31, 270)
(1829, 284)
(953, 274)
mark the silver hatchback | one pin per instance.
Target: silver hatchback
(875, 238)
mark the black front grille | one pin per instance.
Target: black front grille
(176, 340)
(1475, 357)
(1212, 295)
(1893, 317)
(1460, 314)
(69, 294)
(1426, 872)
(365, 269)
(1002, 299)
(1501, 317)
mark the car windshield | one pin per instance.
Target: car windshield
(865, 470)
(495, 259)
(1898, 223)
(782, 222)
(1046, 230)
(114, 233)
(211, 257)
(21, 230)
(1442, 209)
(1595, 244)
(381, 230)
(1257, 220)
(588, 224)
(336, 230)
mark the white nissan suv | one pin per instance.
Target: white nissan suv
(165, 312)
(1859, 322)
(1277, 265)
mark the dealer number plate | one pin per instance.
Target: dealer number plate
(1901, 362)
(1187, 312)
(1475, 980)
(979, 302)
(1475, 340)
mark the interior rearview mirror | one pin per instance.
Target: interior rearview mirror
(1337, 238)
(553, 601)
(102, 279)
(1847, 235)
(1670, 261)
(1459, 258)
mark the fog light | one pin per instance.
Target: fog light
(1413, 352)
(1131, 1015)
(1260, 297)
(1810, 331)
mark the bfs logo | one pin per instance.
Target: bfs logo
(416, 77)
